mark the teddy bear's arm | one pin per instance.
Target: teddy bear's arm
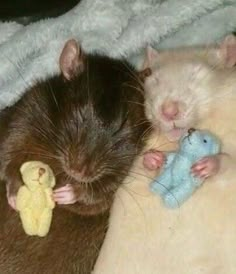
(169, 158)
(49, 195)
(22, 198)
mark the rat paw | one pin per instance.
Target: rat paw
(64, 195)
(153, 159)
(206, 167)
(11, 197)
(12, 201)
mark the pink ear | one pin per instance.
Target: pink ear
(151, 56)
(228, 50)
(71, 60)
(152, 53)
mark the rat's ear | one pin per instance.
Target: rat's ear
(71, 60)
(227, 51)
(151, 57)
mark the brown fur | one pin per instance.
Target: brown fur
(71, 246)
(96, 118)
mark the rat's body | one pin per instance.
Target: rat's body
(86, 124)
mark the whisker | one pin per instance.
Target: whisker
(134, 87)
(136, 103)
(53, 94)
(131, 194)
(18, 69)
(133, 74)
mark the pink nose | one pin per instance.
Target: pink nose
(79, 169)
(170, 110)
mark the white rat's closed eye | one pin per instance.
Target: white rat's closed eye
(174, 94)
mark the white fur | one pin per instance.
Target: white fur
(113, 27)
(198, 238)
(192, 82)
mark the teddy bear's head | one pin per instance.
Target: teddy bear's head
(35, 173)
(200, 143)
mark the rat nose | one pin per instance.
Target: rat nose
(170, 110)
(79, 169)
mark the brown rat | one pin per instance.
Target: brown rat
(87, 124)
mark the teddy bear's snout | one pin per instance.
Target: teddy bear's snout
(41, 171)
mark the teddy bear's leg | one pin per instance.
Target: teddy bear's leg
(162, 184)
(44, 222)
(178, 195)
(28, 221)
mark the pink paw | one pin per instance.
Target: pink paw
(64, 195)
(206, 167)
(11, 199)
(153, 159)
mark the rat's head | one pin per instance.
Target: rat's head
(178, 89)
(92, 117)
(35, 173)
(176, 94)
(199, 143)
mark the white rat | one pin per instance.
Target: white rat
(181, 90)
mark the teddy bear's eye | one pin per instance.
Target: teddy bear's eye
(205, 141)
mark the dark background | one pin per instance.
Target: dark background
(26, 11)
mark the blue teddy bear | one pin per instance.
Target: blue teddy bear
(176, 183)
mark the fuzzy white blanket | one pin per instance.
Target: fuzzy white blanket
(117, 28)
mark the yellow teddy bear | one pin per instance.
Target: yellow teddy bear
(34, 199)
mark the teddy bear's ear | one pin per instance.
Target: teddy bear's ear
(25, 166)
